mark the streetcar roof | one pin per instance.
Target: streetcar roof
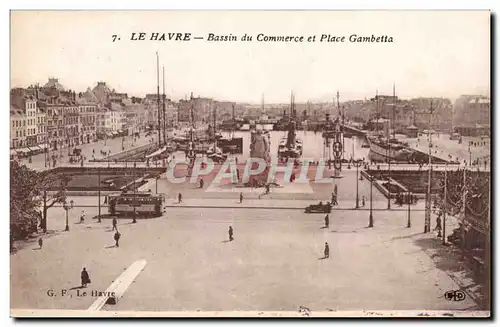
(137, 194)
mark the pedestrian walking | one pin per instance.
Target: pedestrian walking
(85, 278)
(334, 200)
(231, 234)
(82, 217)
(202, 183)
(117, 238)
(179, 197)
(114, 224)
(327, 221)
(326, 252)
(241, 197)
(363, 201)
(438, 223)
(40, 243)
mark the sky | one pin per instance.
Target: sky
(434, 53)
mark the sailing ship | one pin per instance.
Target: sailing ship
(290, 146)
(384, 149)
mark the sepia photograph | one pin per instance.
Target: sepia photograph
(280, 163)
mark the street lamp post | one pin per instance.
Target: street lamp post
(470, 156)
(135, 197)
(357, 164)
(67, 208)
(408, 224)
(99, 193)
(370, 224)
(445, 206)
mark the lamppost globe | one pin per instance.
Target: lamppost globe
(67, 207)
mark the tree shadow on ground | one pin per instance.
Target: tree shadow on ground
(36, 249)
(446, 258)
(22, 244)
(404, 237)
(346, 231)
(227, 241)
(110, 246)
(452, 260)
(324, 227)
(76, 288)
(322, 258)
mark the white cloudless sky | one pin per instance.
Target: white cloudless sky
(434, 53)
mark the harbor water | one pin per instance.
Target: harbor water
(313, 147)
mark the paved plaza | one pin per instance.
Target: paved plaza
(274, 263)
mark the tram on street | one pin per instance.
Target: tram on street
(142, 203)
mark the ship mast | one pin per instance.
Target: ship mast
(164, 113)
(393, 110)
(191, 114)
(214, 129)
(231, 132)
(158, 97)
(377, 116)
(342, 128)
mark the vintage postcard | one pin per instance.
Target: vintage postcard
(250, 164)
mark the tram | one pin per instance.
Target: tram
(142, 203)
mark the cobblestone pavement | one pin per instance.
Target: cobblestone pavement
(274, 263)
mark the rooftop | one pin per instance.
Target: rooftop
(54, 83)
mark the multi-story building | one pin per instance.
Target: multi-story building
(150, 103)
(22, 101)
(88, 121)
(432, 113)
(472, 109)
(104, 122)
(197, 109)
(41, 121)
(71, 118)
(54, 124)
(118, 117)
(52, 100)
(17, 128)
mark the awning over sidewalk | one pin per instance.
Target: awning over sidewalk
(23, 150)
(43, 146)
(115, 133)
(34, 148)
(109, 134)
